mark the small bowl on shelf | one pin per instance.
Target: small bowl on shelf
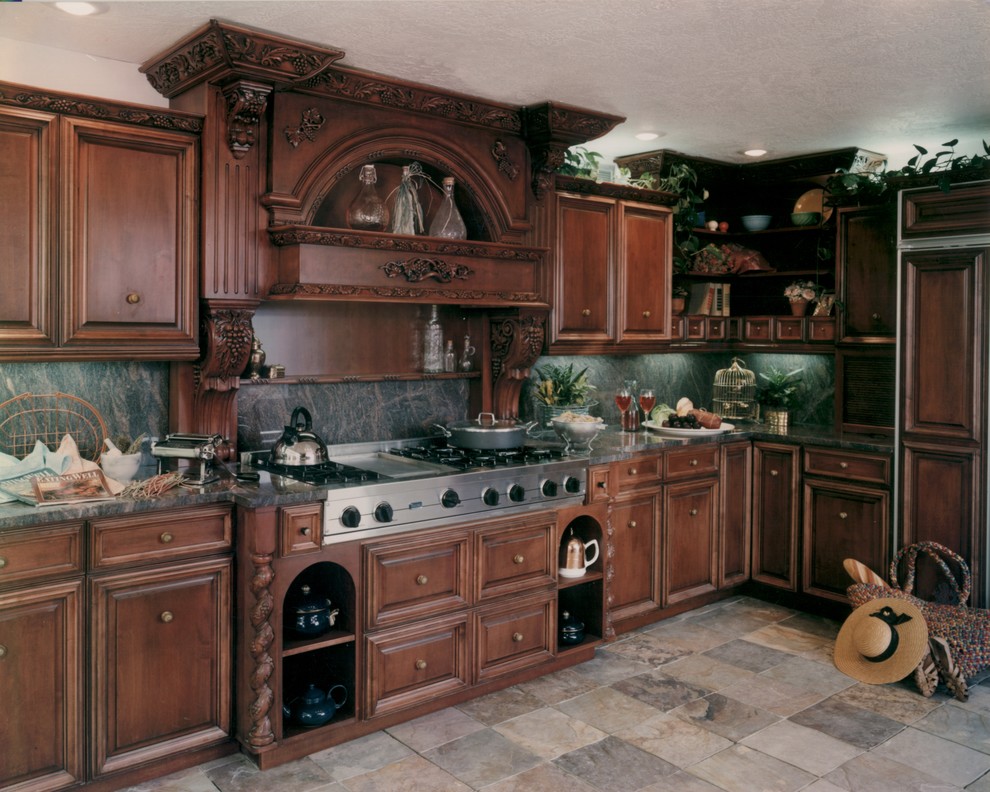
(756, 222)
(806, 218)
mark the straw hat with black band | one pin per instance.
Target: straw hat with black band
(882, 641)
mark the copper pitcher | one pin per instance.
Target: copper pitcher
(576, 560)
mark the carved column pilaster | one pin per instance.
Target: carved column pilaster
(246, 102)
(260, 706)
(516, 343)
(609, 575)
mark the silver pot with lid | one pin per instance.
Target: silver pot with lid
(486, 432)
(299, 445)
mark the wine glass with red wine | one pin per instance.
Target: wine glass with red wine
(647, 400)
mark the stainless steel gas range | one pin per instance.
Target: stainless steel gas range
(375, 489)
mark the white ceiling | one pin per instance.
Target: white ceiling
(713, 77)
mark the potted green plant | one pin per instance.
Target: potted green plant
(678, 298)
(682, 181)
(558, 389)
(778, 393)
(580, 162)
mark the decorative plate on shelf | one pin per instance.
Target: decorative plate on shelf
(813, 201)
(671, 432)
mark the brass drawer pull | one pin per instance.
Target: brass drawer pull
(133, 298)
(843, 465)
(166, 617)
(420, 665)
(166, 538)
(517, 559)
(306, 531)
(3, 651)
(3, 562)
(517, 637)
(693, 463)
(646, 314)
(693, 512)
(422, 580)
(773, 473)
(633, 471)
(843, 515)
(586, 312)
(632, 523)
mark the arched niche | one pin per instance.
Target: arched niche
(325, 190)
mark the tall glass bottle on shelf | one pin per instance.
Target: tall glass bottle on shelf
(449, 358)
(447, 222)
(407, 214)
(367, 211)
(433, 343)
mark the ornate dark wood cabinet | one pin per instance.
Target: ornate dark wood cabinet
(945, 304)
(101, 218)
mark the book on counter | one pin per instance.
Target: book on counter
(47, 488)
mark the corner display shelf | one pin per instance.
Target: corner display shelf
(323, 379)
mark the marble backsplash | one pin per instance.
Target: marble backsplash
(133, 396)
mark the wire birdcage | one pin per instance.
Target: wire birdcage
(734, 392)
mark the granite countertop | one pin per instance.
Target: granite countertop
(610, 446)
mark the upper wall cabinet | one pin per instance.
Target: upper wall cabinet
(100, 234)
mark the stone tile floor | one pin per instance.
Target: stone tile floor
(740, 696)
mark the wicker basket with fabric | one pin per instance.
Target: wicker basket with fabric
(48, 417)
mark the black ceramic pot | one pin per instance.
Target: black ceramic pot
(312, 614)
(571, 630)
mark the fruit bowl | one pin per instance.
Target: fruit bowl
(756, 222)
(577, 435)
(806, 218)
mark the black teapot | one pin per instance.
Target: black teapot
(314, 707)
(571, 630)
(312, 614)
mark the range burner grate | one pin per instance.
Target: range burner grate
(320, 473)
(468, 458)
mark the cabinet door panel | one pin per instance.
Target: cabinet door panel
(129, 237)
(735, 513)
(161, 670)
(27, 161)
(775, 515)
(514, 635)
(645, 264)
(690, 519)
(636, 585)
(584, 265)
(867, 274)
(40, 687)
(944, 355)
(511, 560)
(842, 521)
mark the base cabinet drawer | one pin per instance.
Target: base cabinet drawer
(409, 665)
(411, 578)
(40, 553)
(514, 635)
(514, 559)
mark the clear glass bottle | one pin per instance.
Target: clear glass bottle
(368, 211)
(433, 344)
(466, 356)
(447, 222)
(449, 358)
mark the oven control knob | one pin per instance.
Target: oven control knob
(449, 499)
(572, 484)
(549, 488)
(383, 512)
(350, 517)
(490, 497)
(517, 493)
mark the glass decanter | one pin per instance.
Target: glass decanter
(433, 344)
(368, 211)
(447, 222)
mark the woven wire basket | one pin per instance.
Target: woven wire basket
(48, 417)
(734, 392)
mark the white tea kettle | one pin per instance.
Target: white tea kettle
(576, 561)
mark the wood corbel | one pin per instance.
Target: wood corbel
(246, 102)
(516, 344)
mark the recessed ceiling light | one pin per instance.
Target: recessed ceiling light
(647, 136)
(755, 152)
(77, 9)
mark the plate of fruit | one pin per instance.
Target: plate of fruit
(685, 420)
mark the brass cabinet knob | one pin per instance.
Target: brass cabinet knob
(133, 298)
(843, 515)
(632, 523)
(517, 559)
(586, 312)
(420, 665)
(875, 317)
(646, 314)
(166, 616)
(3, 651)
(773, 473)
(633, 471)
(517, 637)
(3, 562)
(422, 580)
(693, 512)
(166, 538)
(843, 465)
(306, 531)
(693, 463)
